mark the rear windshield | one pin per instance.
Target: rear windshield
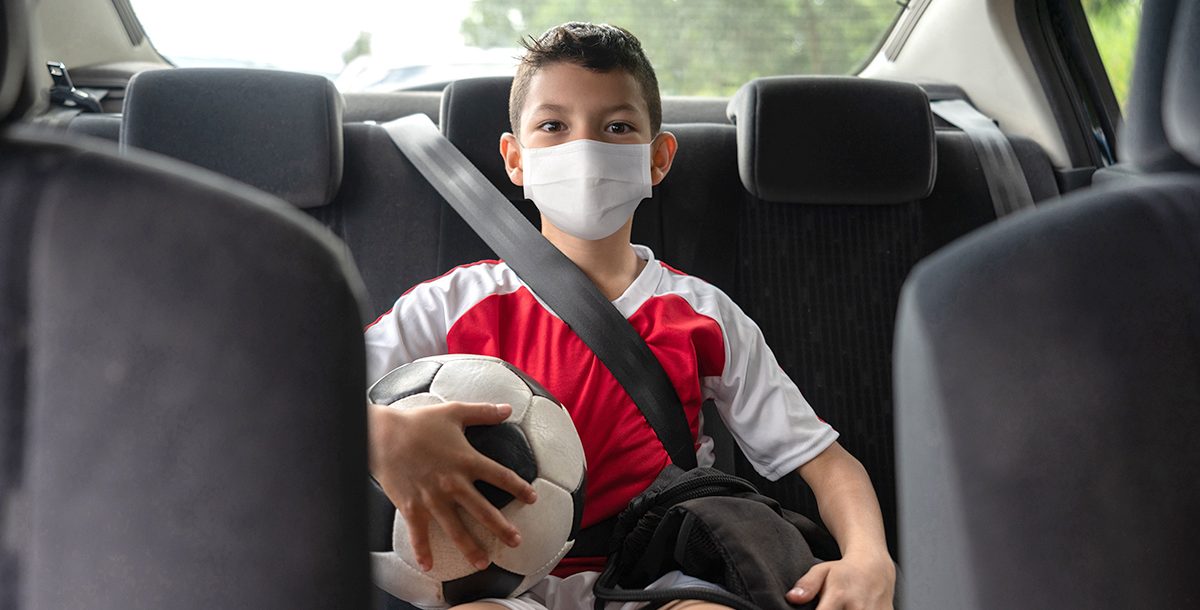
(698, 47)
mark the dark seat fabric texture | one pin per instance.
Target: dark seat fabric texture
(103, 126)
(387, 215)
(278, 131)
(181, 376)
(351, 178)
(1047, 380)
(823, 256)
(177, 442)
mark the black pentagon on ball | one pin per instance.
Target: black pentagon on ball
(493, 582)
(577, 502)
(534, 386)
(507, 445)
(404, 381)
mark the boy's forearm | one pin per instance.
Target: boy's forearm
(847, 501)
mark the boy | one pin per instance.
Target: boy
(586, 145)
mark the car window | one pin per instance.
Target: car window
(1114, 25)
(698, 47)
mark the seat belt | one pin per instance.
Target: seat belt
(1001, 169)
(552, 277)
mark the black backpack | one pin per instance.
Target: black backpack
(716, 527)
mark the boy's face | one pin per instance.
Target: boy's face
(567, 102)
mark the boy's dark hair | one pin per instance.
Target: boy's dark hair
(596, 46)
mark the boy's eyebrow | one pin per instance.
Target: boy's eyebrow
(625, 107)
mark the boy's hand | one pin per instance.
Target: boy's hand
(853, 582)
(422, 460)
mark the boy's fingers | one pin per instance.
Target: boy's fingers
(448, 518)
(807, 588)
(481, 413)
(483, 512)
(493, 472)
(418, 537)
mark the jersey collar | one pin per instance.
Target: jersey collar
(643, 286)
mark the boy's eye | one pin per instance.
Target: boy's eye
(619, 128)
(550, 126)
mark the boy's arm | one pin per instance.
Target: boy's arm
(422, 460)
(865, 577)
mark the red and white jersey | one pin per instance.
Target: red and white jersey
(709, 348)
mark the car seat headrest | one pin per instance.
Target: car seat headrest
(278, 131)
(474, 113)
(1144, 141)
(834, 140)
(18, 84)
(1181, 104)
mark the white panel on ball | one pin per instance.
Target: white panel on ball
(555, 444)
(478, 379)
(393, 574)
(541, 537)
(448, 562)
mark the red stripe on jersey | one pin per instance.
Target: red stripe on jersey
(381, 316)
(623, 454)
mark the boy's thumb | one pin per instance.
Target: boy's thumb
(807, 588)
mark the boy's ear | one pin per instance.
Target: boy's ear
(662, 154)
(510, 149)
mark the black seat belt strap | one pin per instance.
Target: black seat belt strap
(1005, 179)
(552, 277)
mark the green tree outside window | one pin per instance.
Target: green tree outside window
(708, 47)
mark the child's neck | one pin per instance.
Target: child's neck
(610, 263)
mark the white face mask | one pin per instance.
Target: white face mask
(588, 189)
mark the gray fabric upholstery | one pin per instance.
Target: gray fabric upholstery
(196, 436)
(825, 140)
(16, 223)
(387, 215)
(1181, 95)
(1144, 142)
(278, 131)
(697, 206)
(1047, 385)
(823, 281)
(474, 115)
(103, 126)
(18, 83)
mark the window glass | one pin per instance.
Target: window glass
(1114, 25)
(698, 47)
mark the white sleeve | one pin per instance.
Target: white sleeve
(415, 327)
(763, 409)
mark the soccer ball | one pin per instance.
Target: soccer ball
(538, 442)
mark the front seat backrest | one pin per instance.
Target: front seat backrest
(191, 433)
(1048, 385)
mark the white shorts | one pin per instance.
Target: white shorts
(575, 592)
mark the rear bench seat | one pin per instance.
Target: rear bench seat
(816, 254)
(351, 177)
(842, 202)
